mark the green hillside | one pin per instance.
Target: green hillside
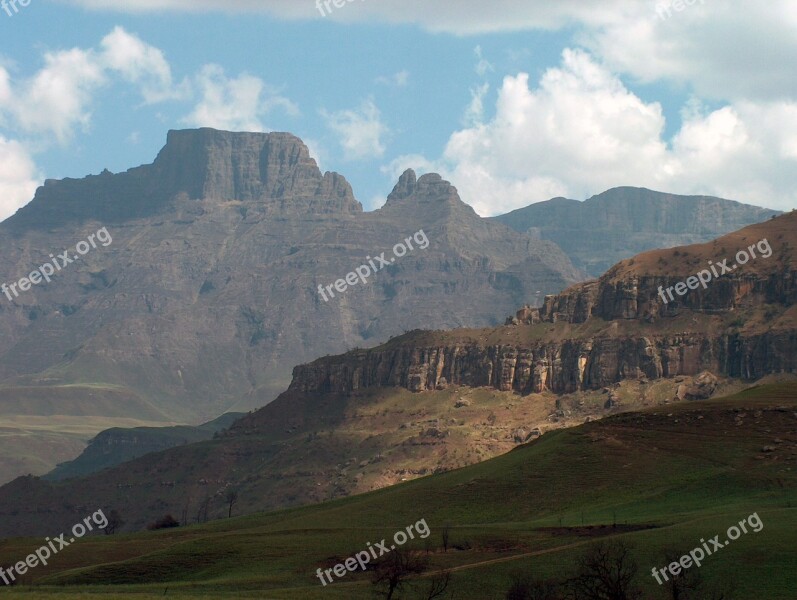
(660, 479)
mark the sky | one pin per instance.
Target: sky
(514, 102)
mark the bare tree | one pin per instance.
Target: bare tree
(231, 498)
(690, 585)
(202, 513)
(391, 574)
(438, 585)
(114, 522)
(446, 535)
(184, 517)
(607, 571)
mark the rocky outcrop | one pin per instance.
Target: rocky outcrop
(563, 367)
(638, 297)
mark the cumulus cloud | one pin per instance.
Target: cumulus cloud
(234, 103)
(141, 64)
(57, 99)
(581, 131)
(18, 177)
(361, 131)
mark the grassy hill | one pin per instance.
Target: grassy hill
(660, 479)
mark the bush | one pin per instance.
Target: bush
(166, 522)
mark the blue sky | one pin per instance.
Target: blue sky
(513, 104)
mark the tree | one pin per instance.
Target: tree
(690, 585)
(231, 498)
(202, 513)
(607, 571)
(446, 535)
(391, 574)
(114, 522)
(184, 519)
(438, 585)
(165, 522)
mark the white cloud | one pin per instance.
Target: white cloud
(483, 66)
(581, 131)
(400, 79)
(18, 177)
(57, 98)
(474, 113)
(361, 131)
(234, 103)
(141, 64)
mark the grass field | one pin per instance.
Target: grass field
(660, 479)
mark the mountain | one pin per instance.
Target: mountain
(657, 479)
(436, 400)
(625, 221)
(118, 445)
(205, 290)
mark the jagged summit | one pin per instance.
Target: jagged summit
(428, 187)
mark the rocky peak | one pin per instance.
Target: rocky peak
(428, 188)
(273, 169)
(210, 164)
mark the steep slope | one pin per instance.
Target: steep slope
(625, 221)
(208, 289)
(443, 399)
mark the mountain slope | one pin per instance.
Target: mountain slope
(208, 291)
(624, 221)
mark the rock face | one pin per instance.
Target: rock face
(208, 294)
(627, 295)
(562, 367)
(625, 221)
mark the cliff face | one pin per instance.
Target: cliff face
(739, 325)
(563, 367)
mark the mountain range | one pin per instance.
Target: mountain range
(208, 293)
(429, 401)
